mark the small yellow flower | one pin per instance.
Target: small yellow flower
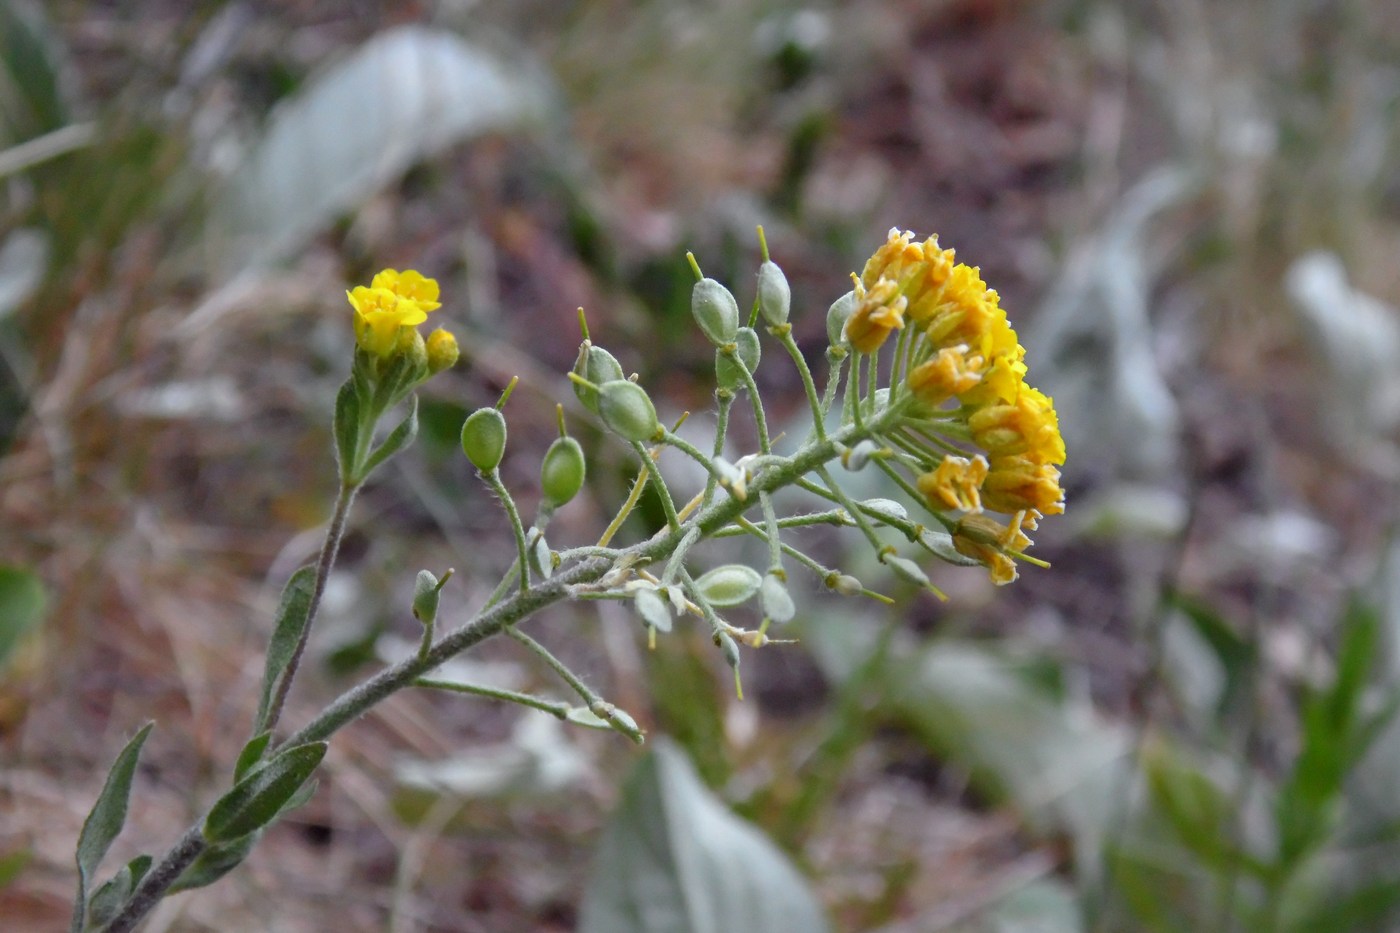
(442, 351)
(951, 372)
(956, 483)
(379, 314)
(879, 310)
(919, 269)
(393, 301)
(1026, 426)
(1018, 484)
(410, 285)
(987, 541)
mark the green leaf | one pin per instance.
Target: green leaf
(104, 904)
(408, 93)
(215, 862)
(22, 600)
(292, 614)
(398, 439)
(1199, 812)
(257, 800)
(673, 858)
(252, 753)
(347, 425)
(105, 820)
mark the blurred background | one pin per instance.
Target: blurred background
(1191, 210)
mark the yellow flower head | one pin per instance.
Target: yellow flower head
(379, 314)
(411, 286)
(393, 301)
(956, 483)
(879, 310)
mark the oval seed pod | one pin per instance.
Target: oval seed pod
(906, 569)
(776, 601)
(729, 585)
(774, 294)
(425, 597)
(653, 610)
(484, 438)
(597, 366)
(715, 310)
(845, 585)
(626, 408)
(562, 471)
(537, 552)
(747, 348)
(837, 316)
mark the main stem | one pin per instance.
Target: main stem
(356, 701)
(329, 548)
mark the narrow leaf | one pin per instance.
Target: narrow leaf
(674, 858)
(252, 753)
(347, 426)
(258, 799)
(105, 820)
(286, 633)
(108, 899)
(398, 439)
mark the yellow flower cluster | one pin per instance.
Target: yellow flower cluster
(966, 352)
(394, 301)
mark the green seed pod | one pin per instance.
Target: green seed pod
(627, 410)
(715, 311)
(727, 373)
(906, 569)
(597, 366)
(836, 317)
(653, 610)
(885, 510)
(855, 458)
(729, 585)
(562, 471)
(425, 597)
(775, 600)
(844, 584)
(538, 554)
(774, 294)
(484, 438)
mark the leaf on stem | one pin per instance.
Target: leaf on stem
(286, 634)
(348, 424)
(258, 799)
(105, 820)
(398, 439)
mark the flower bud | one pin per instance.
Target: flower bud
(715, 310)
(837, 316)
(562, 471)
(597, 366)
(746, 347)
(774, 294)
(484, 438)
(443, 351)
(627, 410)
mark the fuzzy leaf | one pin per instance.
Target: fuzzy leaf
(252, 753)
(215, 862)
(258, 799)
(398, 439)
(347, 427)
(286, 633)
(106, 819)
